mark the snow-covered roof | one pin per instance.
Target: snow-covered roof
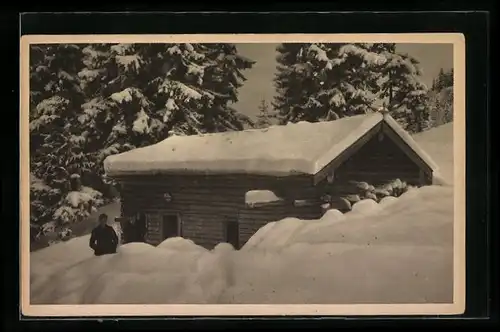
(301, 147)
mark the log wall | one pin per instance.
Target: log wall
(378, 162)
(206, 203)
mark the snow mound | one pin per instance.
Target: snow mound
(281, 234)
(127, 277)
(333, 215)
(365, 207)
(401, 254)
(180, 244)
(223, 248)
(57, 258)
(135, 248)
(259, 236)
(386, 201)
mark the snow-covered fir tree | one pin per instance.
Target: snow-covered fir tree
(441, 98)
(56, 143)
(91, 101)
(291, 82)
(402, 89)
(322, 82)
(264, 117)
(55, 100)
(443, 80)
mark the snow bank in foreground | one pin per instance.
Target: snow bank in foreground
(400, 253)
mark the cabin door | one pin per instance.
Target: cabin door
(233, 233)
(170, 226)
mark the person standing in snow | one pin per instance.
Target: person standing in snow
(103, 239)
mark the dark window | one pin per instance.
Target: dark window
(171, 226)
(233, 234)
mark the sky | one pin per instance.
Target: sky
(259, 84)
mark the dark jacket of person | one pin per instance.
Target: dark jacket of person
(103, 240)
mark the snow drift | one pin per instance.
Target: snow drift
(397, 252)
(438, 143)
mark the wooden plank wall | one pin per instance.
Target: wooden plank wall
(205, 203)
(377, 163)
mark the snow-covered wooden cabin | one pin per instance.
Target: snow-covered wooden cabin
(223, 187)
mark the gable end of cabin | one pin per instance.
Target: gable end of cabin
(377, 159)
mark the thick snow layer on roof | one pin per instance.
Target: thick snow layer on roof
(253, 197)
(301, 147)
(278, 150)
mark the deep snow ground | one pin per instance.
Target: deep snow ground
(401, 251)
